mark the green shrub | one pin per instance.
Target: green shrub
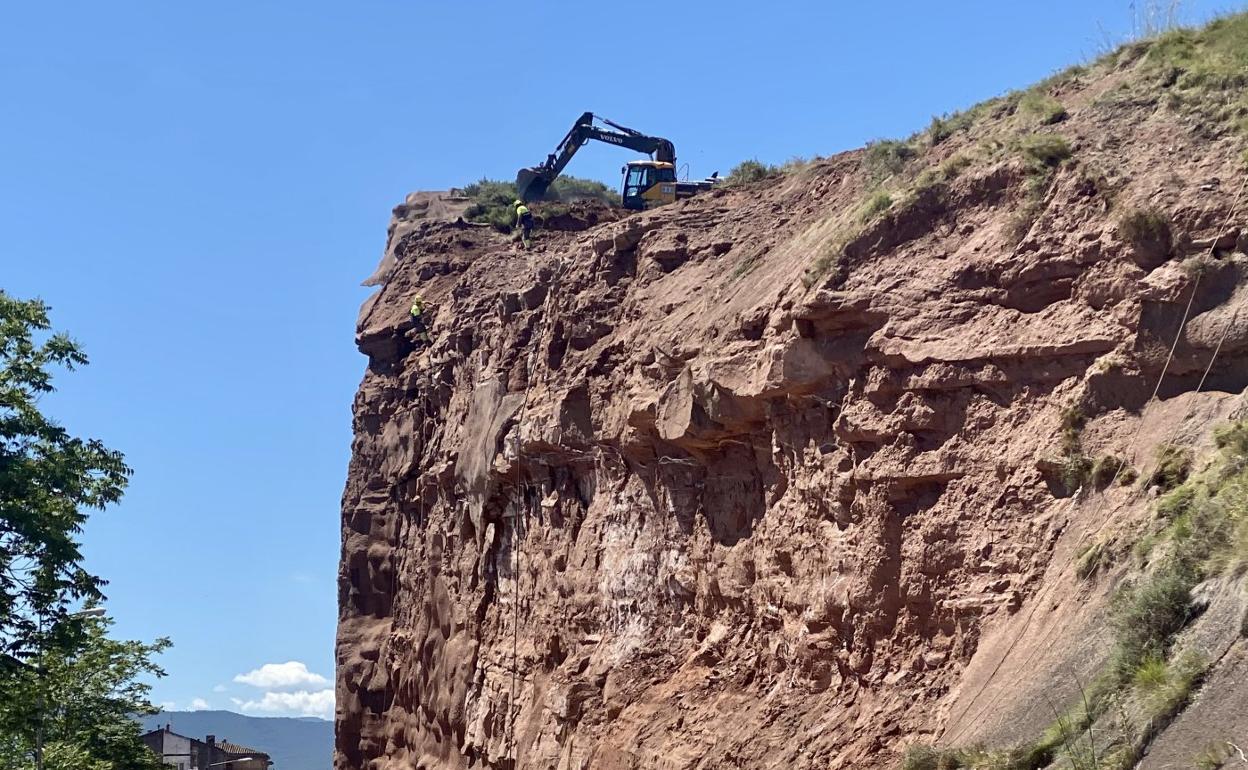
(1164, 687)
(1173, 466)
(1212, 756)
(944, 126)
(571, 188)
(493, 200)
(750, 171)
(795, 164)
(833, 260)
(947, 171)
(886, 157)
(1091, 175)
(1022, 220)
(879, 202)
(1076, 470)
(1147, 230)
(1044, 149)
(1041, 108)
(1105, 469)
(1147, 616)
(926, 758)
(1177, 502)
(1076, 467)
(492, 203)
(1073, 422)
(1199, 266)
(973, 758)
(1089, 561)
(1151, 673)
(1232, 438)
(954, 165)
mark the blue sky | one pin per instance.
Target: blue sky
(198, 188)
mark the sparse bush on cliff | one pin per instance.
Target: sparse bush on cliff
(573, 188)
(493, 200)
(1044, 149)
(1022, 220)
(1146, 683)
(943, 172)
(1146, 616)
(944, 126)
(1147, 230)
(750, 171)
(492, 203)
(886, 157)
(878, 202)
(1106, 468)
(1173, 465)
(1041, 108)
(1199, 266)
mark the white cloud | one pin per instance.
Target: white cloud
(220, 688)
(282, 676)
(301, 703)
(167, 705)
(199, 704)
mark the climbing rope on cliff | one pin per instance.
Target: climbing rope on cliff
(1131, 447)
(520, 518)
(1230, 324)
(1178, 334)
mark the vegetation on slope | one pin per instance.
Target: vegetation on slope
(493, 200)
(754, 170)
(1147, 680)
(1199, 74)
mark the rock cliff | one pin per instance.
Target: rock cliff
(797, 473)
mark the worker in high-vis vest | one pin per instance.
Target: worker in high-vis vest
(524, 221)
(418, 320)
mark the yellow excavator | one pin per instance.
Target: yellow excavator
(647, 183)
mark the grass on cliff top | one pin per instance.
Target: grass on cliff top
(1199, 72)
(754, 170)
(493, 200)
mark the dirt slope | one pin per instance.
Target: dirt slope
(775, 477)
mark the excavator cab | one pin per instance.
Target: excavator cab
(648, 183)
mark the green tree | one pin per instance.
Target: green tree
(76, 711)
(68, 693)
(48, 481)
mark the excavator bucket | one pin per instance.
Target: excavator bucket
(531, 184)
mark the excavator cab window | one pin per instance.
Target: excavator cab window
(637, 181)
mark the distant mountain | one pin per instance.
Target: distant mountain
(301, 743)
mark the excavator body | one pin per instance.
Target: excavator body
(650, 183)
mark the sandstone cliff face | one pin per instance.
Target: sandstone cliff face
(760, 480)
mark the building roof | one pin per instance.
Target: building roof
(169, 730)
(234, 748)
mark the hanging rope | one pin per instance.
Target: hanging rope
(520, 517)
(1131, 446)
(1234, 316)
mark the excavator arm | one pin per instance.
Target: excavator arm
(532, 183)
